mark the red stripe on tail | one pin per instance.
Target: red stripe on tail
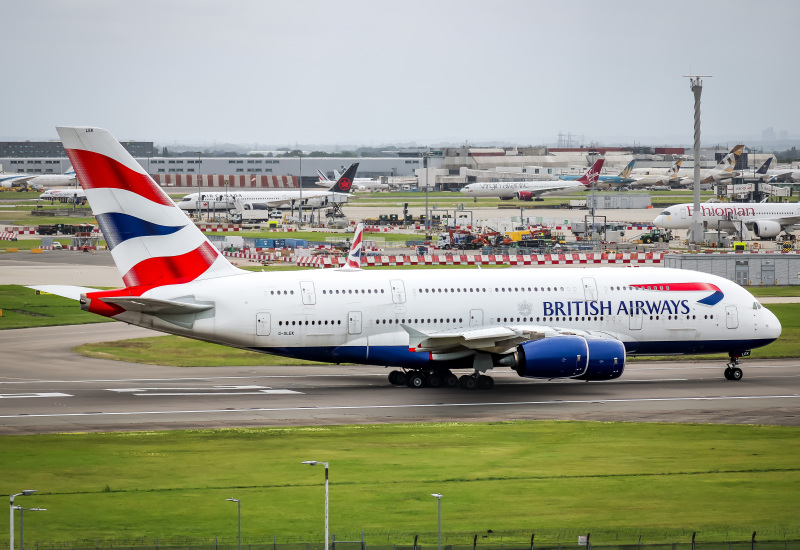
(172, 270)
(96, 171)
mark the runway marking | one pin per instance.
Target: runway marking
(411, 406)
(29, 395)
(212, 391)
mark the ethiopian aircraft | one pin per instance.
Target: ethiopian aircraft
(574, 323)
(265, 199)
(528, 190)
(765, 220)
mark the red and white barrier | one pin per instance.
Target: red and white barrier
(21, 230)
(8, 236)
(625, 258)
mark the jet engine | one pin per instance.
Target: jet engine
(524, 195)
(766, 229)
(606, 360)
(568, 357)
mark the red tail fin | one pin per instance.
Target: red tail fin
(591, 176)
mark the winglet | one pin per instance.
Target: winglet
(356, 249)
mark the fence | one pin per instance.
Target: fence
(488, 540)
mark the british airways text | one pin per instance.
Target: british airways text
(606, 307)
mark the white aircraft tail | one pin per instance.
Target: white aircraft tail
(356, 249)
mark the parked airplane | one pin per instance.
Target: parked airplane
(777, 175)
(765, 220)
(528, 190)
(622, 178)
(15, 180)
(649, 178)
(71, 195)
(54, 180)
(722, 171)
(359, 184)
(565, 323)
(338, 193)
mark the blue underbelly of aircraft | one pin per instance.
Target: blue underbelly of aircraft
(400, 356)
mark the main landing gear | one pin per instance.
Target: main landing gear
(440, 379)
(733, 372)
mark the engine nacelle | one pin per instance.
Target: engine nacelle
(606, 360)
(556, 357)
(524, 195)
(766, 229)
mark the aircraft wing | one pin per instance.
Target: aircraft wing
(155, 306)
(489, 340)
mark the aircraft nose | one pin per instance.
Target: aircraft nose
(770, 325)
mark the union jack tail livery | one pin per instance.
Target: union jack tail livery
(152, 241)
(356, 249)
(593, 174)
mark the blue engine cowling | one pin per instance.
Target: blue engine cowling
(606, 360)
(557, 357)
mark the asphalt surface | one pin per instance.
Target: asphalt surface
(44, 387)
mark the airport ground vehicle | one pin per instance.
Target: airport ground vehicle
(656, 236)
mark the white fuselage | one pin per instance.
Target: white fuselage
(256, 200)
(356, 316)
(509, 189)
(53, 180)
(723, 215)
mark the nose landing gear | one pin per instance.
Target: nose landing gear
(733, 372)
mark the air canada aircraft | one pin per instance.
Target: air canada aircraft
(566, 323)
(265, 199)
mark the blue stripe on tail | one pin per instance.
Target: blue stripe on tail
(118, 228)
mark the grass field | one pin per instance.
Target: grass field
(22, 308)
(603, 477)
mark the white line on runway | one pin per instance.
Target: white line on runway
(28, 395)
(412, 406)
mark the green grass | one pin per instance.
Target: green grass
(25, 245)
(605, 478)
(23, 308)
(777, 291)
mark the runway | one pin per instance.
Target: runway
(45, 387)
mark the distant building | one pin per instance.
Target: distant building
(23, 149)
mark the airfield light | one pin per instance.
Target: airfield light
(315, 463)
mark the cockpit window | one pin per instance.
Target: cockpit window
(666, 213)
(756, 305)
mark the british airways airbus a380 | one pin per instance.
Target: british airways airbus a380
(564, 323)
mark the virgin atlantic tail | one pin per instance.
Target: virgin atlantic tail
(593, 174)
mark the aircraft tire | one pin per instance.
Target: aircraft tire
(485, 382)
(736, 374)
(434, 380)
(450, 380)
(467, 382)
(397, 378)
(415, 380)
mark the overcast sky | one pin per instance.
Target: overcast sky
(280, 73)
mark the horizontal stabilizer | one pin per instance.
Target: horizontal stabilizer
(66, 291)
(154, 306)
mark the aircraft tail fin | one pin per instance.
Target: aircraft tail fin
(728, 162)
(593, 174)
(764, 168)
(356, 249)
(345, 182)
(626, 172)
(151, 240)
(322, 177)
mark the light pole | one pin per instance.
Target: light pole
(696, 226)
(26, 492)
(239, 507)
(439, 498)
(300, 210)
(21, 532)
(199, 183)
(315, 463)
